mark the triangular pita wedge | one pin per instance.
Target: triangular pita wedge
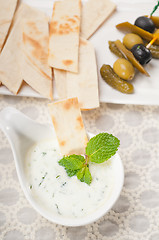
(94, 13)
(15, 65)
(7, 9)
(83, 84)
(64, 35)
(35, 78)
(10, 73)
(35, 69)
(69, 127)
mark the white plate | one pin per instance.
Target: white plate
(146, 88)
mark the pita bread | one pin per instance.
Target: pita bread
(10, 73)
(30, 64)
(7, 10)
(94, 13)
(83, 84)
(69, 127)
(64, 35)
(61, 83)
(35, 69)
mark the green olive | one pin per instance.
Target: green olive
(156, 32)
(124, 69)
(131, 39)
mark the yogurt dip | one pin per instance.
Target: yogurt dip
(66, 196)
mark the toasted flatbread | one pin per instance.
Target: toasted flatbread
(35, 37)
(61, 83)
(69, 127)
(94, 13)
(24, 56)
(7, 9)
(83, 84)
(64, 35)
(10, 73)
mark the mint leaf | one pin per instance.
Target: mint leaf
(81, 173)
(102, 147)
(72, 162)
(71, 173)
(87, 176)
(84, 175)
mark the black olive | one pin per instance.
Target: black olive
(145, 23)
(141, 53)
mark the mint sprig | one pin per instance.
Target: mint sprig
(99, 149)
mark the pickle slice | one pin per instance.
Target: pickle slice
(130, 57)
(113, 48)
(154, 49)
(114, 80)
(128, 27)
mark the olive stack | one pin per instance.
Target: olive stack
(133, 52)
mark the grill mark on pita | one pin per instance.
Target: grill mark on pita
(38, 51)
(72, 102)
(64, 29)
(75, 102)
(62, 143)
(67, 105)
(82, 42)
(77, 17)
(77, 28)
(53, 26)
(80, 122)
(66, 26)
(37, 68)
(72, 20)
(67, 62)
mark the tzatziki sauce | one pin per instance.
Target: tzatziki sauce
(60, 194)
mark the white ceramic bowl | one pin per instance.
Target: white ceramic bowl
(22, 133)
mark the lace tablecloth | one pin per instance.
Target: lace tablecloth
(136, 213)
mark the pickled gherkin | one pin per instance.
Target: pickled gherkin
(113, 48)
(114, 80)
(154, 49)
